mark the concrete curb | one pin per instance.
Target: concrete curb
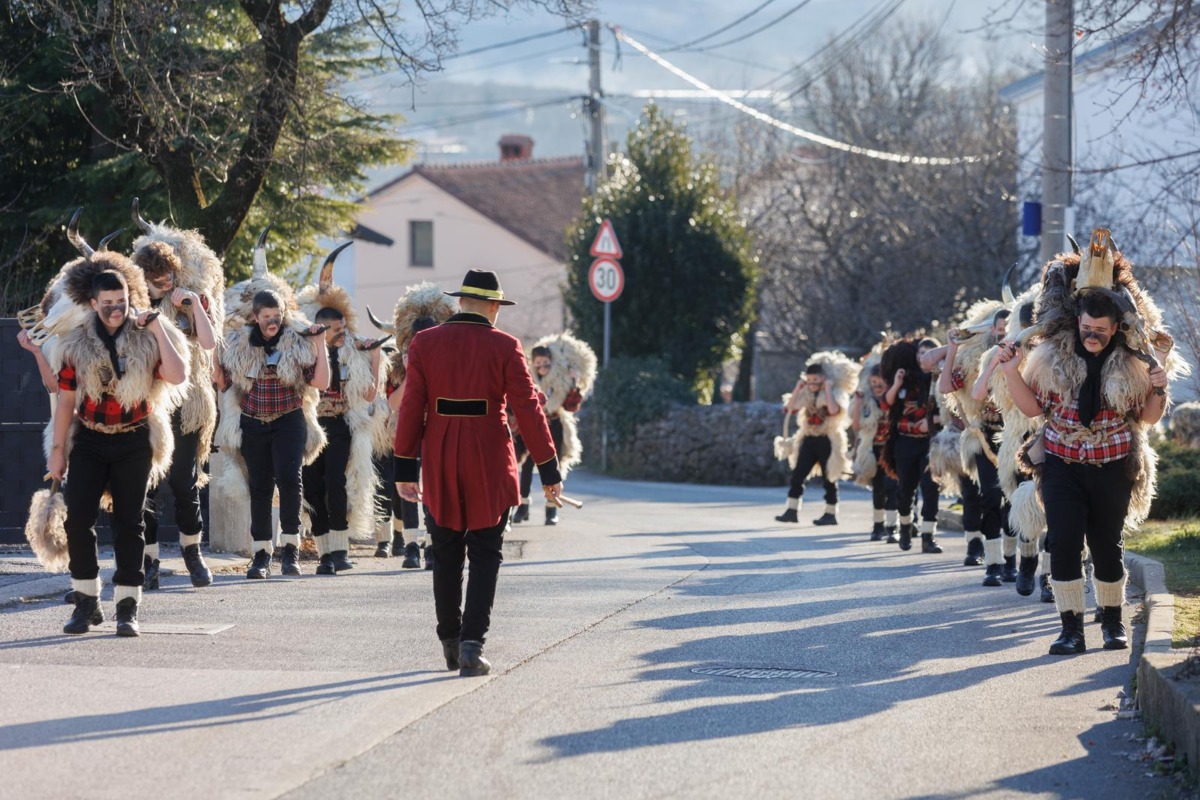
(1166, 701)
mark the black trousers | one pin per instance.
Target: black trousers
(527, 466)
(912, 470)
(1085, 502)
(993, 507)
(119, 462)
(972, 504)
(325, 479)
(182, 480)
(883, 486)
(274, 455)
(814, 450)
(450, 549)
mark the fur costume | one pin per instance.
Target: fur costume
(569, 356)
(870, 418)
(1054, 367)
(200, 272)
(841, 374)
(903, 355)
(968, 361)
(363, 417)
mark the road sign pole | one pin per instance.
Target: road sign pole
(604, 420)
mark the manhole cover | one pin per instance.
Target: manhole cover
(763, 673)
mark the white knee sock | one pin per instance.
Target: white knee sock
(889, 518)
(152, 551)
(290, 538)
(1110, 595)
(877, 517)
(188, 539)
(125, 592)
(992, 553)
(831, 508)
(1068, 596)
(89, 587)
(794, 503)
(928, 526)
(1010, 545)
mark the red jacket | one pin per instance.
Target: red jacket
(461, 375)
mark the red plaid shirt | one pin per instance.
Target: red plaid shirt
(270, 397)
(1108, 439)
(914, 411)
(104, 410)
(881, 430)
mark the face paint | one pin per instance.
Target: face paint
(1100, 339)
(108, 313)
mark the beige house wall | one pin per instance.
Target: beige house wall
(463, 239)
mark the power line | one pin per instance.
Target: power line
(510, 42)
(485, 115)
(673, 45)
(832, 61)
(882, 155)
(721, 30)
(756, 31)
(452, 75)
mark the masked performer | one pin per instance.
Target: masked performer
(1096, 380)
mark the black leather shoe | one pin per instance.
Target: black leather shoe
(325, 566)
(1098, 617)
(198, 571)
(825, 519)
(127, 621)
(788, 516)
(471, 663)
(892, 538)
(1009, 573)
(1070, 641)
(1047, 589)
(383, 550)
(450, 651)
(289, 561)
(260, 567)
(341, 560)
(551, 515)
(1113, 629)
(428, 551)
(86, 614)
(150, 570)
(521, 514)
(1026, 575)
(412, 556)
(929, 544)
(974, 553)
(906, 534)
(877, 532)
(992, 577)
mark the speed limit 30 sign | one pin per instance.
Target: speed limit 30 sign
(606, 279)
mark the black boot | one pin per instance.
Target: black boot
(878, 532)
(450, 651)
(992, 577)
(86, 614)
(471, 663)
(289, 562)
(428, 551)
(906, 534)
(1070, 641)
(551, 515)
(892, 538)
(325, 565)
(1113, 629)
(260, 567)
(199, 572)
(825, 519)
(1009, 573)
(150, 568)
(1047, 589)
(383, 550)
(412, 556)
(929, 545)
(521, 514)
(1026, 573)
(974, 553)
(788, 516)
(127, 621)
(341, 560)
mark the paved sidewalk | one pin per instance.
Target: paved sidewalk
(613, 640)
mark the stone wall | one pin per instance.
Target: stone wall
(719, 444)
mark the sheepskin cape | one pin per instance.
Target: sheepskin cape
(968, 362)
(573, 365)
(870, 417)
(842, 374)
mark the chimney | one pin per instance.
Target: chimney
(515, 147)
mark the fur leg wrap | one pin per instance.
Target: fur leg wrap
(126, 592)
(992, 553)
(1110, 595)
(89, 587)
(151, 552)
(1068, 596)
(188, 539)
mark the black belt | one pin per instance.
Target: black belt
(447, 407)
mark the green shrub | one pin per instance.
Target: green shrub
(636, 390)
(1178, 482)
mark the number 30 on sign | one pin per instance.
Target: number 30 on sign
(607, 279)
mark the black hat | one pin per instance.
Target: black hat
(482, 285)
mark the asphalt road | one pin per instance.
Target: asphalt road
(613, 640)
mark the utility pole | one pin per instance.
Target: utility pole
(593, 109)
(1058, 213)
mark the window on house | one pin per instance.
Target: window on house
(420, 243)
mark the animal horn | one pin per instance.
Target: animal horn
(136, 213)
(73, 235)
(325, 282)
(1074, 244)
(104, 242)
(386, 327)
(260, 255)
(1006, 291)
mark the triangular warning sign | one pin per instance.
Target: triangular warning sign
(606, 243)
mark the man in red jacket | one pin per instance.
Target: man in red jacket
(461, 376)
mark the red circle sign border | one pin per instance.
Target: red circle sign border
(620, 279)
